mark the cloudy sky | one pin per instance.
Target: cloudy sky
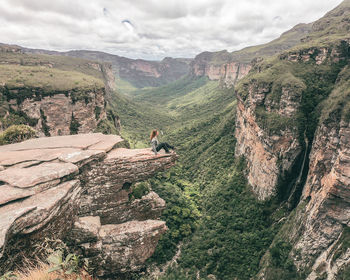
(152, 29)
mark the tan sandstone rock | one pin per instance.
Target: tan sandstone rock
(76, 188)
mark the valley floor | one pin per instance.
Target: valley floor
(225, 230)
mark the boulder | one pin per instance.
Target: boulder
(77, 188)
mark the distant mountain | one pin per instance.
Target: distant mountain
(231, 67)
(140, 73)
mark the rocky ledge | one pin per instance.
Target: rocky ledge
(77, 188)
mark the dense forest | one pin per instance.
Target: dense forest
(222, 228)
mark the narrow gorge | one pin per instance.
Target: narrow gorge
(258, 187)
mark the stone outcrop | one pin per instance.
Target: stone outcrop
(328, 210)
(229, 72)
(230, 67)
(77, 188)
(62, 113)
(270, 155)
(56, 95)
(269, 136)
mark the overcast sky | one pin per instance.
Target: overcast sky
(152, 29)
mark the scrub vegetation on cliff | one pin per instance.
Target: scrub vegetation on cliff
(45, 81)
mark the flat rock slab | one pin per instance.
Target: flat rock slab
(42, 202)
(8, 158)
(132, 227)
(107, 143)
(135, 154)
(31, 176)
(77, 156)
(97, 141)
(9, 193)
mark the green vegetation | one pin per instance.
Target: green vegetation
(124, 86)
(74, 125)
(17, 118)
(273, 123)
(163, 94)
(337, 106)
(210, 208)
(16, 133)
(57, 263)
(234, 233)
(106, 127)
(18, 76)
(309, 83)
(344, 273)
(139, 190)
(331, 28)
(211, 212)
(343, 244)
(43, 61)
(287, 40)
(181, 213)
(46, 128)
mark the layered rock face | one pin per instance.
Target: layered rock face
(270, 155)
(56, 95)
(76, 188)
(327, 217)
(269, 136)
(140, 72)
(61, 113)
(226, 72)
(230, 67)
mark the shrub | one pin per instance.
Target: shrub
(16, 133)
(106, 127)
(46, 128)
(139, 190)
(74, 125)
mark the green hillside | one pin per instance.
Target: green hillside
(206, 191)
(52, 73)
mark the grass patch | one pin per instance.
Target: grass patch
(18, 76)
(273, 123)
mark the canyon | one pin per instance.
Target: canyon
(274, 119)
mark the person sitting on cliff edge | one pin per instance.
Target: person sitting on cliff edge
(156, 146)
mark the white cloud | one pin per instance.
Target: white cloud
(152, 29)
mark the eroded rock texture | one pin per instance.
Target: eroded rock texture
(270, 154)
(328, 211)
(268, 135)
(76, 188)
(63, 113)
(227, 72)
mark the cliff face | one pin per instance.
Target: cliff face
(77, 188)
(56, 96)
(270, 152)
(229, 73)
(322, 243)
(61, 113)
(230, 67)
(292, 127)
